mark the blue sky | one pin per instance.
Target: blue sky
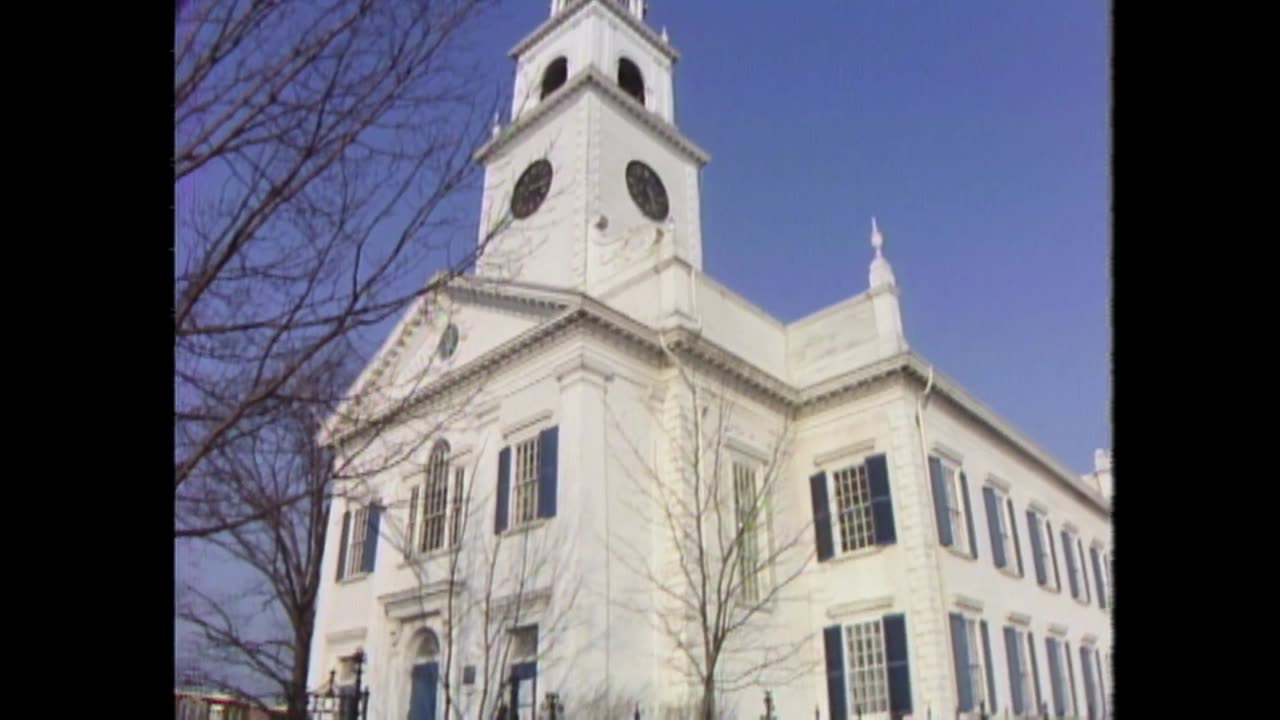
(977, 133)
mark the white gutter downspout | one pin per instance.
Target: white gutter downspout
(921, 403)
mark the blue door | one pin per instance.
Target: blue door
(422, 698)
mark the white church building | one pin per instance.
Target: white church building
(902, 550)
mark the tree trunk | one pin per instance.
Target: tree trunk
(297, 692)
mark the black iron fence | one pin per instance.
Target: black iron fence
(349, 702)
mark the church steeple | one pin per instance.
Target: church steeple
(597, 183)
(639, 8)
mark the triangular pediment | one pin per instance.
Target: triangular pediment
(484, 314)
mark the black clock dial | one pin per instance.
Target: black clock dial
(647, 191)
(531, 189)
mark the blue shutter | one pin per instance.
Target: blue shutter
(821, 516)
(960, 658)
(548, 449)
(1069, 553)
(504, 491)
(367, 563)
(833, 646)
(342, 543)
(993, 526)
(1102, 686)
(1053, 554)
(1086, 672)
(1035, 670)
(991, 677)
(881, 500)
(1055, 675)
(897, 664)
(968, 516)
(1071, 678)
(1012, 651)
(940, 502)
(1017, 544)
(1037, 548)
(1084, 570)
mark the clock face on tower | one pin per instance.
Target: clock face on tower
(647, 191)
(531, 189)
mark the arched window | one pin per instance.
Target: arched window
(428, 647)
(630, 79)
(435, 497)
(554, 76)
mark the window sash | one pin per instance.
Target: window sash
(525, 484)
(867, 668)
(955, 509)
(747, 523)
(853, 508)
(455, 524)
(356, 542)
(977, 683)
(1064, 678)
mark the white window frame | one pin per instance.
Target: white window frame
(855, 525)
(954, 503)
(1046, 554)
(457, 505)
(1073, 541)
(977, 666)
(866, 668)
(753, 550)
(357, 532)
(1006, 531)
(523, 481)
(1105, 579)
(1064, 675)
(435, 500)
(1024, 671)
(1097, 681)
(514, 657)
(447, 468)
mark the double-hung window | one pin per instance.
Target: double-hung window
(358, 540)
(971, 652)
(952, 507)
(1024, 685)
(527, 477)
(1006, 548)
(853, 507)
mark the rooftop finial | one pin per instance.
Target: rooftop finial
(881, 273)
(497, 124)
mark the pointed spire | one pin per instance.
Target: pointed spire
(665, 37)
(497, 124)
(881, 273)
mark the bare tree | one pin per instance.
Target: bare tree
(282, 550)
(317, 148)
(721, 586)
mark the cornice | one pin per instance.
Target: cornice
(585, 79)
(919, 369)
(578, 309)
(564, 16)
